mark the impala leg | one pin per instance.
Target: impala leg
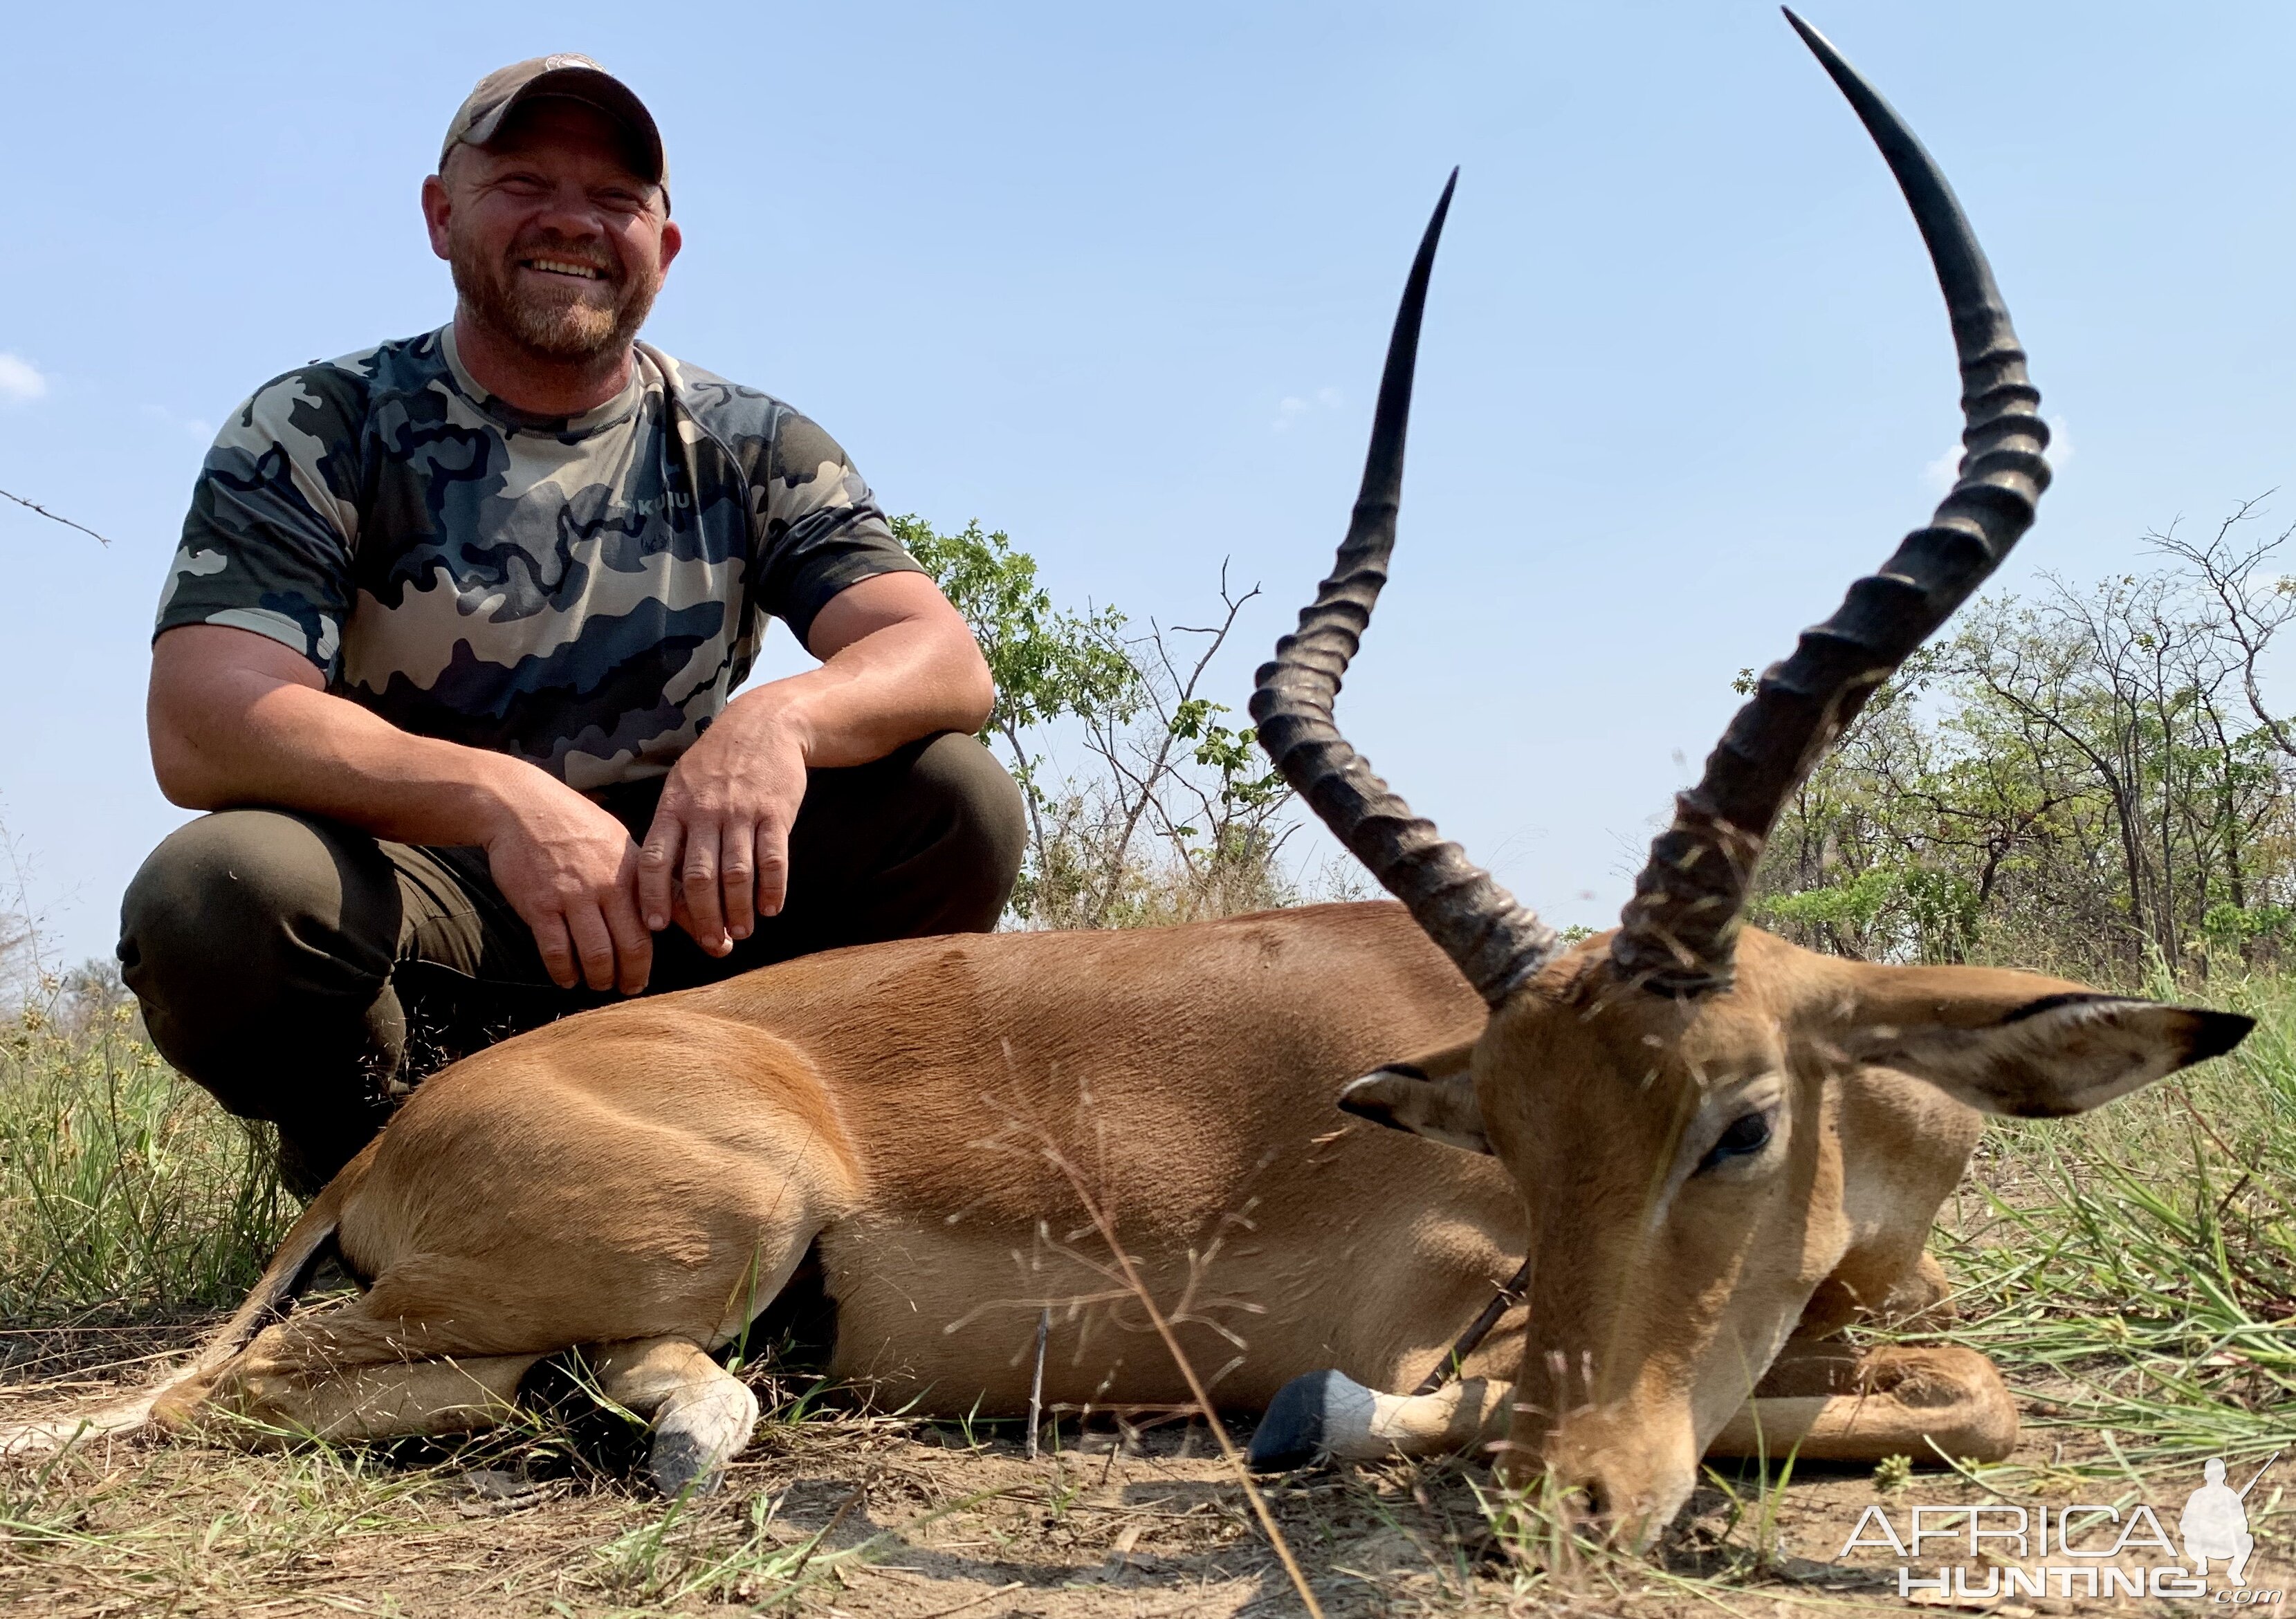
(1822, 1400)
(1828, 1402)
(341, 1375)
(1327, 1415)
(702, 1415)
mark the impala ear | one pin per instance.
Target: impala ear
(2059, 1055)
(1433, 1096)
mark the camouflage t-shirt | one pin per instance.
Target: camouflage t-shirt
(583, 592)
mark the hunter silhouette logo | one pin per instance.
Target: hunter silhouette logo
(2078, 1551)
(2214, 1522)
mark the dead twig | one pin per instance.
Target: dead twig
(1510, 1294)
(844, 1510)
(51, 516)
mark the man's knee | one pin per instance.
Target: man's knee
(983, 825)
(236, 889)
(252, 917)
(956, 771)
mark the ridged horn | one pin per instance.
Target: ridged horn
(1496, 943)
(1679, 931)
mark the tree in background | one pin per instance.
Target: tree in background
(1176, 815)
(2090, 779)
(1048, 665)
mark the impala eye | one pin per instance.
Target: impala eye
(1747, 1135)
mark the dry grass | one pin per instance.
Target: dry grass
(841, 1511)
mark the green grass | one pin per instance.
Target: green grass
(124, 1190)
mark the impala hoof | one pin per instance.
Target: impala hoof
(697, 1432)
(1291, 1433)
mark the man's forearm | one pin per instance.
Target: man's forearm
(227, 737)
(239, 720)
(892, 685)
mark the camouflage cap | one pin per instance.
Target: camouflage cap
(504, 91)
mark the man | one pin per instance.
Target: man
(449, 647)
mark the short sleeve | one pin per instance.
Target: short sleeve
(823, 530)
(267, 544)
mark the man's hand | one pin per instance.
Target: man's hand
(570, 871)
(897, 663)
(717, 857)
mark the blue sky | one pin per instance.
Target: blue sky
(1116, 280)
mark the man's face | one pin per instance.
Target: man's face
(555, 244)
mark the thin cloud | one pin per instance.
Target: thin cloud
(1294, 406)
(190, 426)
(21, 381)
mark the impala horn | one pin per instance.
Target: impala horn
(1496, 943)
(1679, 932)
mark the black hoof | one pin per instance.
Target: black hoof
(1291, 1433)
(680, 1463)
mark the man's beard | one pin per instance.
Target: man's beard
(582, 321)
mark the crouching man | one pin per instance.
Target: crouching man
(449, 650)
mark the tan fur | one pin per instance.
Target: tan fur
(924, 1114)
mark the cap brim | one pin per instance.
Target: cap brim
(601, 90)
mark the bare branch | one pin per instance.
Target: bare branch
(51, 516)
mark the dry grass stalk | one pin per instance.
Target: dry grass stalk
(1187, 1370)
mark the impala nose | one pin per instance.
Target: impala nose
(1624, 1480)
(1590, 1504)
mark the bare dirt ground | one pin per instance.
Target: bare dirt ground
(839, 1513)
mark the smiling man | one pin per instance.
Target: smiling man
(450, 646)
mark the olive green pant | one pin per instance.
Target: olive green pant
(308, 973)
